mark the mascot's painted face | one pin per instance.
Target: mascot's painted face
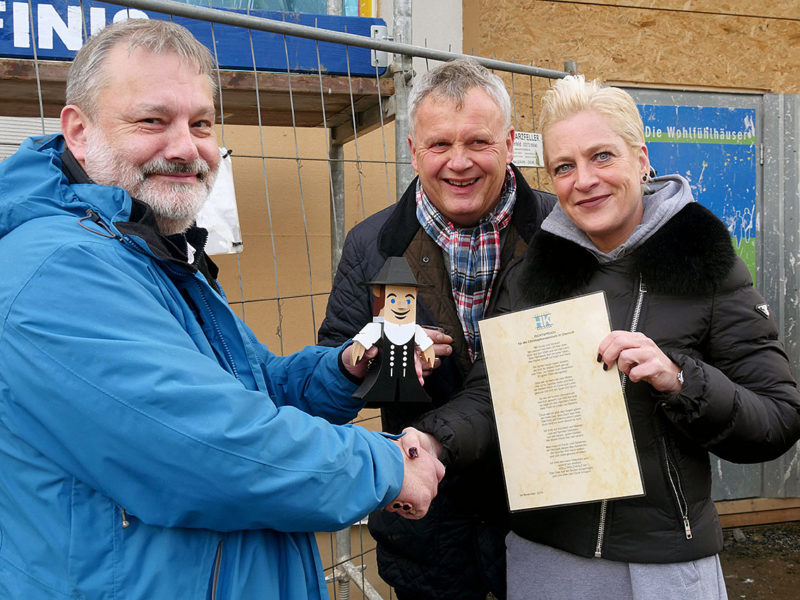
(400, 305)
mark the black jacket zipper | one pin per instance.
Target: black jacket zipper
(637, 312)
(677, 489)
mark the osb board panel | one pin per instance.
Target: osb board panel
(652, 47)
(786, 9)
(291, 322)
(369, 418)
(284, 213)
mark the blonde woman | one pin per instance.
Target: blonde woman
(703, 370)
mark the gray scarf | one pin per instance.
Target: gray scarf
(663, 198)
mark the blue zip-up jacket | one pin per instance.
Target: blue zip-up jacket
(150, 447)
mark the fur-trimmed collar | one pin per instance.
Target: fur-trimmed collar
(690, 255)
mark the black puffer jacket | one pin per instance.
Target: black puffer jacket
(457, 551)
(738, 401)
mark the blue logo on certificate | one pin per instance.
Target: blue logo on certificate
(543, 321)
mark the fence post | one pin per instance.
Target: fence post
(336, 157)
(403, 72)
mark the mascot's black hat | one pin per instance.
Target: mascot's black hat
(395, 271)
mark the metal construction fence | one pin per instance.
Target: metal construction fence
(312, 109)
(314, 117)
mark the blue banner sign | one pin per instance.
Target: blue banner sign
(56, 29)
(715, 149)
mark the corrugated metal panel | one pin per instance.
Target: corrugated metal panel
(13, 130)
(778, 253)
(781, 252)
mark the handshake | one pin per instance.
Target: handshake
(422, 472)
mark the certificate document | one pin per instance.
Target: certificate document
(565, 435)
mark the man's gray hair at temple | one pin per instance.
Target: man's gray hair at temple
(87, 75)
(452, 80)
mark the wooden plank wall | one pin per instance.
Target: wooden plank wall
(758, 511)
(709, 45)
(730, 45)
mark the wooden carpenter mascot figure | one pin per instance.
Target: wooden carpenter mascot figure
(392, 376)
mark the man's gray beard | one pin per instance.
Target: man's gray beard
(174, 205)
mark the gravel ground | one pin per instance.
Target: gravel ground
(763, 562)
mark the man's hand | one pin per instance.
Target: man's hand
(356, 360)
(358, 366)
(422, 472)
(356, 353)
(430, 358)
(441, 347)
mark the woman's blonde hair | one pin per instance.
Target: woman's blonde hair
(573, 94)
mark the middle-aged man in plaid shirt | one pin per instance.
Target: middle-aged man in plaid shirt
(460, 224)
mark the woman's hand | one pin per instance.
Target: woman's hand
(422, 472)
(640, 359)
(415, 438)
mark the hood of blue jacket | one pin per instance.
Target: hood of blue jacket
(33, 185)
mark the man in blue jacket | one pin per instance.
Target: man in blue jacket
(150, 447)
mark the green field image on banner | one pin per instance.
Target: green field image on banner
(715, 149)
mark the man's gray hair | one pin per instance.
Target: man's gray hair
(452, 80)
(87, 75)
